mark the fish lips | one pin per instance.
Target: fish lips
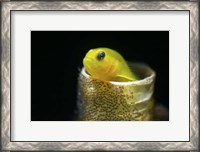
(88, 64)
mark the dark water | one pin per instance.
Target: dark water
(57, 56)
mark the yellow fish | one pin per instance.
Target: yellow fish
(108, 65)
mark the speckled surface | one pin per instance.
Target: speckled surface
(100, 100)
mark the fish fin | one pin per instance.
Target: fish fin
(120, 78)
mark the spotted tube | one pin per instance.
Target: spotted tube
(115, 101)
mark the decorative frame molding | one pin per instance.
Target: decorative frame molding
(8, 6)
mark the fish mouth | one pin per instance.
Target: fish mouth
(87, 62)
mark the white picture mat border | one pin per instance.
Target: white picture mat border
(191, 6)
(177, 22)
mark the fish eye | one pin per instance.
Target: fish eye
(101, 55)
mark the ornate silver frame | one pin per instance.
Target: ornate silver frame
(192, 6)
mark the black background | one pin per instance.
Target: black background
(56, 57)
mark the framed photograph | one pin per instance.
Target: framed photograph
(111, 75)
